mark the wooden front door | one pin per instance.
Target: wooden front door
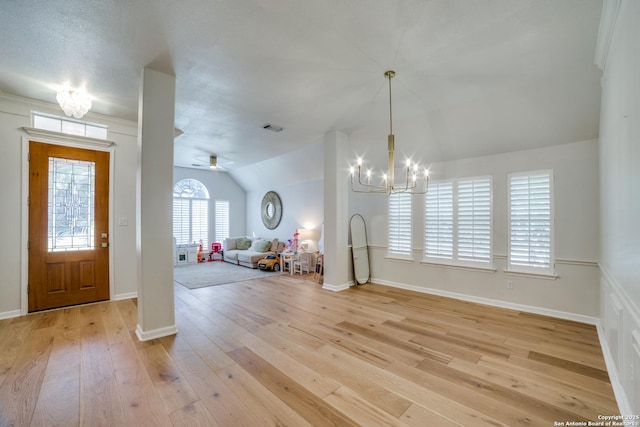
(68, 226)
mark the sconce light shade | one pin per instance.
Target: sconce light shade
(74, 103)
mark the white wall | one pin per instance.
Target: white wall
(14, 115)
(221, 186)
(297, 178)
(575, 293)
(620, 194)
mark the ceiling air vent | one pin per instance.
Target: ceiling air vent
(273, 128)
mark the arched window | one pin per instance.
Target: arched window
(190, 212)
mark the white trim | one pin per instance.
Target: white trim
(128, 295)
(10, 314)
(86, 141)
(544, 276)
(337, 288)
(608, 18)
(581, 263)
(24, 224)
(155, 333)
(493, 302)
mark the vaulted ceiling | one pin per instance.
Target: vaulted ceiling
(486, 75)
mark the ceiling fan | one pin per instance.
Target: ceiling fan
(212, 162)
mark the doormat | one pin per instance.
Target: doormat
(194, 276)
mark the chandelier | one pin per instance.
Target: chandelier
(74, 103)
(412, 183)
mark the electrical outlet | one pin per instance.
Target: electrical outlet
(509, 284)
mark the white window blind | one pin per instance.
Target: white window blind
(439, 221)
(531, 222)
(474, 220)
(200, 221)
(222, 220)
(181, 221)
(400, 224)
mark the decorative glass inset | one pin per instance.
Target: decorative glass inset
(71, 201)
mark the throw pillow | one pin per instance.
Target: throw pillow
(263, 246)
(243, 243)
(274, 245)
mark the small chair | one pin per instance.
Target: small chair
(318, 272)
(301, 264)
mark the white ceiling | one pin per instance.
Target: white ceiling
(484, 76)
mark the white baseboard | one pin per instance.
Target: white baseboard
(493, 302)
(156, 333)
(336, 288)
(10, 314)
(128, 295)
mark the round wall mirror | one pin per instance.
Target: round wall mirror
(271, 210)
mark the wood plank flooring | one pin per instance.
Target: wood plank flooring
(281, 351)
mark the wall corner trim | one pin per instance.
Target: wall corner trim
(155, 333)
(608, 18)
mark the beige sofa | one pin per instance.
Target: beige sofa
(247, 252)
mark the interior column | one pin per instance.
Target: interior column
(154, 200)
(336, 212)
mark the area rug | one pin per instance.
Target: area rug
(215, 273)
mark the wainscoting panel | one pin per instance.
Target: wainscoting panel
(621, 327)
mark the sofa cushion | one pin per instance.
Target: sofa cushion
(250, 256)
(260, 246)
(243, 243)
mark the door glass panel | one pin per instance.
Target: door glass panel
(71, 202)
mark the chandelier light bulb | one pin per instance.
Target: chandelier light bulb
(359, 161)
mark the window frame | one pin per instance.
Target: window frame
(532, 269)
(455, 240)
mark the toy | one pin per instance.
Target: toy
(271, 262)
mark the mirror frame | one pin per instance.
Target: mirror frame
(359, 250)
(271, 198)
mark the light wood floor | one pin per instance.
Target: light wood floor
(282, 351)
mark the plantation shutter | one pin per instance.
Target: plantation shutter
(400, 223)
(439, 221)
(474, 220)
(530, 221)
(181, 221)
(200, 221)
(222, 220)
